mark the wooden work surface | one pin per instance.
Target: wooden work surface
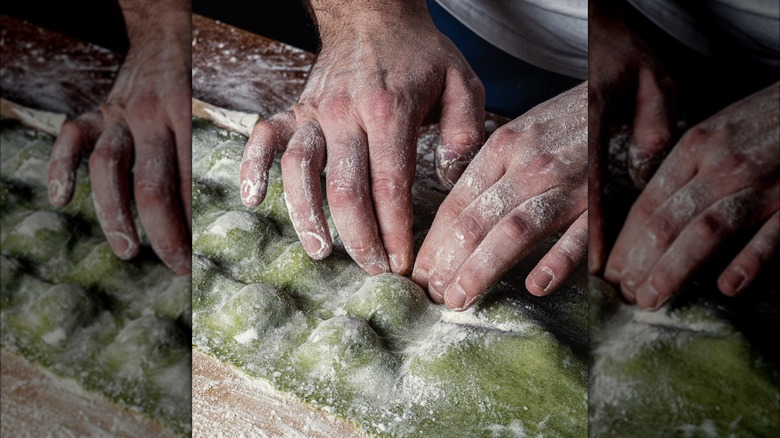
(232, 69)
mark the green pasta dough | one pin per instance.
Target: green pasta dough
(372, 350)
(68, 304)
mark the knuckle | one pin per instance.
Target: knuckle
(336, 108)
(100, 157)
(709, 227)
(148, 192)
(654, 140)
(468, 228)
(516, 228)
(693, 138)
(293, 156)
(145, 105)
(343, 192)
(381, 107)
(385, 187)
(661, 229)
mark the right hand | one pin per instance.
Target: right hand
(626, 80)
(380, 75)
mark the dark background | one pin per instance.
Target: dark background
(286, 21)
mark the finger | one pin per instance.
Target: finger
(486, 169)
(510, 240)
(76, 138)
(180, 119)
(469, 229)
(302, 164)
(349, 197)
(561, 260)
(156, 195)
(650, 240)
(674, 174)
(462, 125)
(597, 158)
(653, 124)
(268, 137)
(695, 245)
(109, 172)
(392, 138)
(747, 265)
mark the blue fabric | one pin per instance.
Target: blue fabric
(512, 86)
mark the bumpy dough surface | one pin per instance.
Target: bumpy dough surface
(67, 303)
(682, 371)
(375, 350)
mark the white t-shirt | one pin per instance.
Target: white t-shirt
(550, 34)
(749, 28)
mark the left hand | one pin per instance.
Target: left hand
(527, 182)
(722, 177)
(140, 141)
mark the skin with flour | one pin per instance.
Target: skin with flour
(371, 88)
(719, 181)
(527, 182)
(141, 135)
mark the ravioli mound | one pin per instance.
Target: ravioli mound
(373, 350)
(681, 371)
(67, 303)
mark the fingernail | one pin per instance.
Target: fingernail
(420, 276)
(735, 279)
(376, 268)
(453, 173)
(250, 191)
(455, 297)
(435, 294)
(647, 297)
(542, 278)
(612, 274)
(397, 266)
(314, 245)
(57, 192)
(122, 245)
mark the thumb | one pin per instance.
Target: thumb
(462, 125)
(653, 126)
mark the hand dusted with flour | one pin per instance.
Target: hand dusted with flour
(382, 72)
(143, 130)
(720, 179)
(628, 86)
(528, 182)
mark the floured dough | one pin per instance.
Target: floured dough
(118, 328)
(374, 351)
(681, 371)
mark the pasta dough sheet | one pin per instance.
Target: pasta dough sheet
(67, 304)
(374, 350)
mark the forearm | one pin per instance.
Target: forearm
(163, 20)
(334, 17)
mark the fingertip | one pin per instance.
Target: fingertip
(455, 297)
(124, 246)
(732, 281)
(400, 264)
(541, 281)
(253, 192)
(61, 192)
(316, 246)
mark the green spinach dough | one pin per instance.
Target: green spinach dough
(67, 303)
(373, 350)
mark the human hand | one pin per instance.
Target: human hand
(380, 75)
(628, 86)
(144, 130)
(527, 182)
(722, 177)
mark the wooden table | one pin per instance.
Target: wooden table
(232, 69)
